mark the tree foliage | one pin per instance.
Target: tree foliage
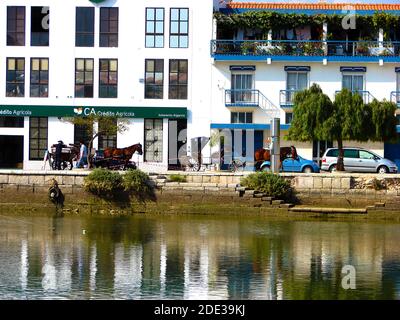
(316, 117)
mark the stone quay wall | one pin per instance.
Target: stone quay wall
(339, 189)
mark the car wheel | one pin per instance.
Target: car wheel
(266, 169)
(383, 169)
(308, 169)
(333, 168)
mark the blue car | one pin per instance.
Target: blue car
(293, 165)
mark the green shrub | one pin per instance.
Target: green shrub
(271, 184)
(136, 181)
(177, 178)
(103, 182)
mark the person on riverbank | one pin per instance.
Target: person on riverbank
(82, 155)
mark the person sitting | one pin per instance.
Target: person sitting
(82, 155)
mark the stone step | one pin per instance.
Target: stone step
(259, 195)
(267, 199)
(286, 205)
(277, 202)
(379, 204)
(327, 210)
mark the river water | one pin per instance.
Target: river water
(195, 257)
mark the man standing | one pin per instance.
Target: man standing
(82, 155)
(59, 147)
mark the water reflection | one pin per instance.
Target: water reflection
(183, 257)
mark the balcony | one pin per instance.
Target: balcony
(310, 50)
(250, 99)
(286, 98)
(395, 98)
(365, 95)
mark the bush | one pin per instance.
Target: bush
(271, 184)
(177, 178)
(103, 182)
(136, 181)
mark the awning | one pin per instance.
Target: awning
(74, 111)
(246, 126)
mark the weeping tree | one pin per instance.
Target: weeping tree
(106, 126)
(316, 117)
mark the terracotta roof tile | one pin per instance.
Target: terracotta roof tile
(313, 6)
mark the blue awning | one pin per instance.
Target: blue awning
(297, 68)
(353, 69)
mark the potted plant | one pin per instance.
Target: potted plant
(362, 49)
(248, 47)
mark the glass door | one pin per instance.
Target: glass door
(242, 85)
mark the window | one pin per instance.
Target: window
(15, 86)
(83, 133)
(350, 153)
(107, 140)
(15, 26)
(84, 36)
(38, 132)
(242, 85)
(108, 78)
(333, 153)
(353, 82)
(178, 79)
(154, 79)
(241, 117)
(39, 26)
(11, 122)
(153, 140)
(39, 77)
(366, 155)
(84, 78)
(288, 117)
(296, 81)
(109, 27)
(154, 27)
(179, 28)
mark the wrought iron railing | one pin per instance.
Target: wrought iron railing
(305, 48)
(366, 95)
(395, 97)
(286, 98)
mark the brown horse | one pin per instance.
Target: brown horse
(261, 155)
(124, 153)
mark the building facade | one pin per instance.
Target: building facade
(177, 71)
(260, 63)
(138, 60)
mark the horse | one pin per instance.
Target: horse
(261, 155)
(124, 153)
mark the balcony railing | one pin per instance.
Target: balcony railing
(305, 48)
(365, 95)
(286, 98)
(250, 98)
(242, 98)
(395, 98)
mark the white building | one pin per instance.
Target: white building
(257, 71)
(146, 59)
(166, 67)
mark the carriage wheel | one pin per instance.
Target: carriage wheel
(54, 165)
(69, 165)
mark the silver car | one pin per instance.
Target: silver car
(357, 160)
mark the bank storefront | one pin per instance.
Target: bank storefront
(26, 132)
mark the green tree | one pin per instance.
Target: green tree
(109, 126)
(316, 117)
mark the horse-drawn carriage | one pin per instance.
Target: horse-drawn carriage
(117, 159)
(69, 154)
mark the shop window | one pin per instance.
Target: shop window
(83, 133)
(11, 122)
(38, 137)
(107, 140)
(153, 140)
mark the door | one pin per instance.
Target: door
(177, 146)
(367, 161)
(241, 85)
(351, 160)
(11, 152)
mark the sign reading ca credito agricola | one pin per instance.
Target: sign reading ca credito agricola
(73, 111)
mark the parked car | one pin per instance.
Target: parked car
(357, 160)
(293, 165)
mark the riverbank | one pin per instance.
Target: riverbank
(316, 195)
